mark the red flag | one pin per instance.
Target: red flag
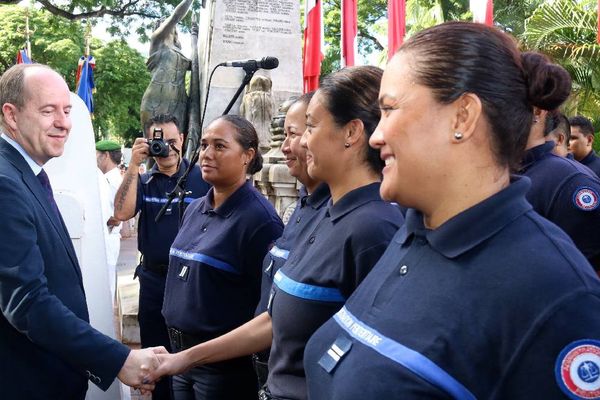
(483, 11)
(489, 13)
(396, 25)
(349, 31)
(313, 42)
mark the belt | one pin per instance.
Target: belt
(181, 340)
(157, 268)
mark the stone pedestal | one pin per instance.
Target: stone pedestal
(274, 180)
(284, 187)
(127, 308)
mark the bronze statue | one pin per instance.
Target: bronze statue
(166, 93)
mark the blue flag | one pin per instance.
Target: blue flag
(85, 81)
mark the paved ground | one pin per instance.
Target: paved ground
(128, 256)
(128, 259)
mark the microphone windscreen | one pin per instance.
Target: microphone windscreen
(269, 63)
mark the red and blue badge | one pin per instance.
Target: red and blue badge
(586, 198)
(578, 369)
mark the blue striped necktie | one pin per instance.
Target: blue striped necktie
(43, 178)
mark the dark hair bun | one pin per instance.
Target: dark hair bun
(256, 164)
(548, 84)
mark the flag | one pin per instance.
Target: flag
(483, 11)
(349, 31)
(396, 25)
(313, 43)
(22, 57)
(85, 81)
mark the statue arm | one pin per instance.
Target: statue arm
(171, 22)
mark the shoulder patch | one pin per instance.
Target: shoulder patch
(585, 198)
(577, 369)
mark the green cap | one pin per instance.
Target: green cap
(107, 145)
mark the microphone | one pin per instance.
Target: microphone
(264, 63)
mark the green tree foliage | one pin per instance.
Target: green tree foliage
(121, 78)
(371, 21)
(510, 15)
(124, 16)
(120, 75)
(55, 41)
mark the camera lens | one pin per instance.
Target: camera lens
(156, 148)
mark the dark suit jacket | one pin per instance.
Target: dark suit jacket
(48, 350)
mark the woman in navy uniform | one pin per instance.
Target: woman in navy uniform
(562, 190)
(477, 296)
(311, 204)
(327, 264)
(213, 282)
(309, 209)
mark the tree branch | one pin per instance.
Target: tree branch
(364, 34)
(128, 9)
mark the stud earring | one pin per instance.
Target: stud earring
(458, 135)
(346, 145)
(245, 162)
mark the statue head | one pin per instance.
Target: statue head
(260, 84)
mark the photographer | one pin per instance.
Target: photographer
(146, 194)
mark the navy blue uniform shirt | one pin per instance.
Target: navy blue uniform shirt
(321, 273)
(481, 307)
(592, 161)
(213, 283)
(568, 194)
(308, 212)
(155, 238)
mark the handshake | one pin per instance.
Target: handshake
(144, 367)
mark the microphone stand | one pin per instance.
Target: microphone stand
(250, 70)
(179, 189)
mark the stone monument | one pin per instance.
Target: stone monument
(249, 29)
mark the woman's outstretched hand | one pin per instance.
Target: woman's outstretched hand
(169, 364)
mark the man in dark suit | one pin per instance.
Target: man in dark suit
(48, 350)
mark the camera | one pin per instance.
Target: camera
(157, 147)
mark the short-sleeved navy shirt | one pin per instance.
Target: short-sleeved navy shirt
(322, 271)
(480, 307)
(568, 194)
(308, 212)
(213, 283)
(155, 238)
(592, 161)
